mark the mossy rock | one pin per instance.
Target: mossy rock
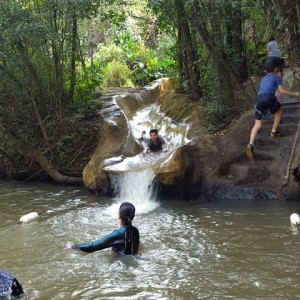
(176, 106)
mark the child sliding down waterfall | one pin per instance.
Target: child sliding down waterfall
(155, 143)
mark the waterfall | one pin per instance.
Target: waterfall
(136, 187)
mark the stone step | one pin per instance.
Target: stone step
(265, 142)
(290, 103)
(266, 172)
(287, 129)
(290, 109)
(254, 172)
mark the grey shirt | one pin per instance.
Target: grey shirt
(155, 147)
(273, 49)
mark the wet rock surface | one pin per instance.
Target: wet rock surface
(210, 166)
(226, 172)
(232, 175)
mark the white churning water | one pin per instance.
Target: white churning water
(132, 178)
(151, 117)
(136, 187)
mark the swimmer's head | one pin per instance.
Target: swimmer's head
(126, 211)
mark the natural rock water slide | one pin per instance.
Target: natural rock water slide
(198, 163)
(127, 117)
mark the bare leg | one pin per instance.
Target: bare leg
(277, 119)
(255, 130)
(279, 96)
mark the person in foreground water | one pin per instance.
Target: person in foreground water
(123, 240)
(10, 288)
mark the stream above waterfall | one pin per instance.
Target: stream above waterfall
(175, 135)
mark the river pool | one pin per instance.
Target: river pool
(233, 249)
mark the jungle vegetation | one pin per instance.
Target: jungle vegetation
(55, 53)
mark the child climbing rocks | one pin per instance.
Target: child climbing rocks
(266, 100)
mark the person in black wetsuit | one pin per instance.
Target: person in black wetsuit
(124, 240)
(10, 288)
(155, 143)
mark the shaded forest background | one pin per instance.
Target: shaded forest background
(54, 54)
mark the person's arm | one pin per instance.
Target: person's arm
(283, 91)
(112, 239)
(147, 146)
(146, 150)
(165, 146)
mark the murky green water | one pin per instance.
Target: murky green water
(219, 250)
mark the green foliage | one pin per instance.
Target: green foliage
(143, 62)
(147, 67)
(132, 43)
(126, 47)
(87, 81)
(255, 31)
(37, 50)
(116, 74)
(217, 116)
(105, 54)
(217, 103)
(164, 12)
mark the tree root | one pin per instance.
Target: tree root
(14, 146)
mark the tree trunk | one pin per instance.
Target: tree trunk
(36, 86)
(73, 58)
(36, 93)
(182, 76)
(59, 93)
(10, 146)
(218, 55)
(192, 61)
(234, 40)
(284, 19)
